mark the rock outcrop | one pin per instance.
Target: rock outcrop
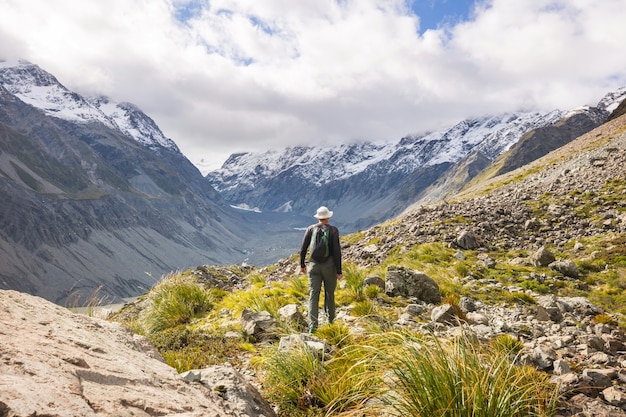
(59, 364)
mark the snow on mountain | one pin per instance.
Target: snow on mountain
(318, 166)
(612, 100)
(492, 135)
(276, 177)
(133, 122)
(42, 90)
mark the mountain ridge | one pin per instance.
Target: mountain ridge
(95, 198)
(367, 183)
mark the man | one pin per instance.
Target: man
(325, 270)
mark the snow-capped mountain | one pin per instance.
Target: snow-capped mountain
(368, 182)
(93, 196)
(317, 166)
(43, 91)
(611, 100)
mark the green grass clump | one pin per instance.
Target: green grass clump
(336, 334)
(354, 278)
(298, 287)
(372, 291)
(174, 301)
(520, 298)
(201, 350)
(506, 344)
(531, 284)
(263, 297)
(303, 383)
(464, 379)
(604, 318)
(364, 308)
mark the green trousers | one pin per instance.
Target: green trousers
(321, 273)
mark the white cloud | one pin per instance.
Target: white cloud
(237, 76)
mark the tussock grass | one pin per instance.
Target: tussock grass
(336, 334)
(298, 286)
(372, 291)
(407, 374)
(506, 344)
(302, 383)
(258, 298)
(176, 300)
(465, 379)
(354, 277)
(199, 350)
(364, 308)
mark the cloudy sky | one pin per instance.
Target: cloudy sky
(225, 76)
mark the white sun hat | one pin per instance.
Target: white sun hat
(323, 213)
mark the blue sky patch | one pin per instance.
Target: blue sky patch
(436, 13)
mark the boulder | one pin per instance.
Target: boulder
(57, 363)
(566, 267)
(292, 314)
(467, 304)
(377, 281)
(542, 257)
(243, 398)
(258, 324)
(561, 367)
(615, 396)
(405, 282)
(316, 346)
(414, 309)
(444, 314)
(468, 240)
(548, 309)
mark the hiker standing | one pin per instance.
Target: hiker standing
(325, 268)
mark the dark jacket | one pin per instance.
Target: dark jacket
(334, 247)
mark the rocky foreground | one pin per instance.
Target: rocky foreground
(55, 363)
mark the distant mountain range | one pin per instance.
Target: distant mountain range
(94, 198)
(365, 183)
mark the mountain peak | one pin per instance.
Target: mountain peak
(611, 100)
(42, 90)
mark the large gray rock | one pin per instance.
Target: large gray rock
(244, 400)
(377, 281)
(291, 313)
(444, 314)
(468, 240)
(258, 324)
(316, 346)
(548, 309)
(542, 257)
(566, 267)
(57, 363)
(405, 282)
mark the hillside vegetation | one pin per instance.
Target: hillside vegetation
(388, 353)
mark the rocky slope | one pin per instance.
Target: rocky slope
(96, 198)
(56, 363)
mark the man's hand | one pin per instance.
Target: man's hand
(339, 276)
(303, 270)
